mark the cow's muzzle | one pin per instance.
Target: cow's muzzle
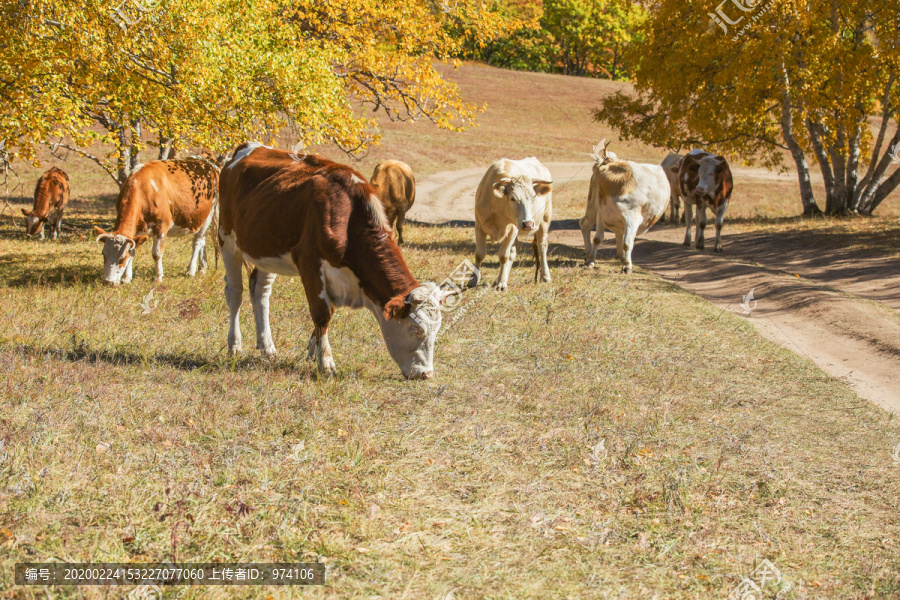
(527, 225)
(422, 375)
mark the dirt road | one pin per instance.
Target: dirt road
(839, 309)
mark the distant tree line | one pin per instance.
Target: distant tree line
(586, 38)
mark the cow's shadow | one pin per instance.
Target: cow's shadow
(19, 276)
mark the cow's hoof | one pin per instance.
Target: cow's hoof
(700, 247)
(545, 279)
(626, 270)
(720, 249)
(473, 282)
(500, 286)
(234, 350)
(686, 244)
(589, 264)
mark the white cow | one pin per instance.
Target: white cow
(627, 198)
(514, 196)
(671, 164)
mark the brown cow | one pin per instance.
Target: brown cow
(51, 194)
(705, 181)
(161, 198)
(320, 221)
(395, 185)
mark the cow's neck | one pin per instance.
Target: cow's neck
(376, 261)
(129, 217)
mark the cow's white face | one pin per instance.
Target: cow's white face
(33, 224)
(410, 329)
(524, 194)
(706, 182)
(118, 254)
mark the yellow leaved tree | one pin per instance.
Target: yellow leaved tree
(214, 73)
(762, 79)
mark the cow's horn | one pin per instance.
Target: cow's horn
(102, 236)
(132, 243)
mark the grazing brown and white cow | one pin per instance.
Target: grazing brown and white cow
(705, 181)
(320, 221)
(671, 165)
(626, 197)
(514, 196)
(395, 186)
(160, 199)
(51, 194)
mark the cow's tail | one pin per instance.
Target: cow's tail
(215, 227)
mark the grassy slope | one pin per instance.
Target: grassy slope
(134, 437)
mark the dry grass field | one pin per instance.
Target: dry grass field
(596, 437)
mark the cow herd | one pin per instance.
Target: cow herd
(309, 217)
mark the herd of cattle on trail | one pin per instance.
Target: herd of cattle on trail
(323, 222)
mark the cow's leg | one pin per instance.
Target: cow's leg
(480, 253)
(157, 253)
(587, 223)
(599, 234)
(620, 246)
(57, 223)
(129, 268)
(41, 233)
(701, 225)
(673, 206)
(631, 226)
(507, 255)
(198, 247)
(234, 290)
(401, 216)
(539, 245)
(720, 217)
(321, 310)
(688, 219)
(260, 290)
(204, 264)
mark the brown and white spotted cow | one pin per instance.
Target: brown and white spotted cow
(51, 194)
(320, 221)
(395, 186)
(705, 181)
(160, 199)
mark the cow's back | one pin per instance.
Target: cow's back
(395, 185)
(180, 191)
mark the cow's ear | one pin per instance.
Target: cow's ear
(98, 231)
(27, 213)
(542, 188)
(396, 308)
(501, 188)
(140, 240)
(44, 219)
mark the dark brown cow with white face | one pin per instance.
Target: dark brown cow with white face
(705, 181)
(395, 186)
(51, 194)
(320, 221)
(161, 198)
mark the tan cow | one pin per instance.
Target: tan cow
(514, 196)
(320, 221)
(626, 197)
(671, 164)
(160, 199)
(395, 186)
(705, 182)
(51, 194)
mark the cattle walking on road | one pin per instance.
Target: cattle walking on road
(514, 197)
(705, 182)
(671, 165)
(626, 197)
